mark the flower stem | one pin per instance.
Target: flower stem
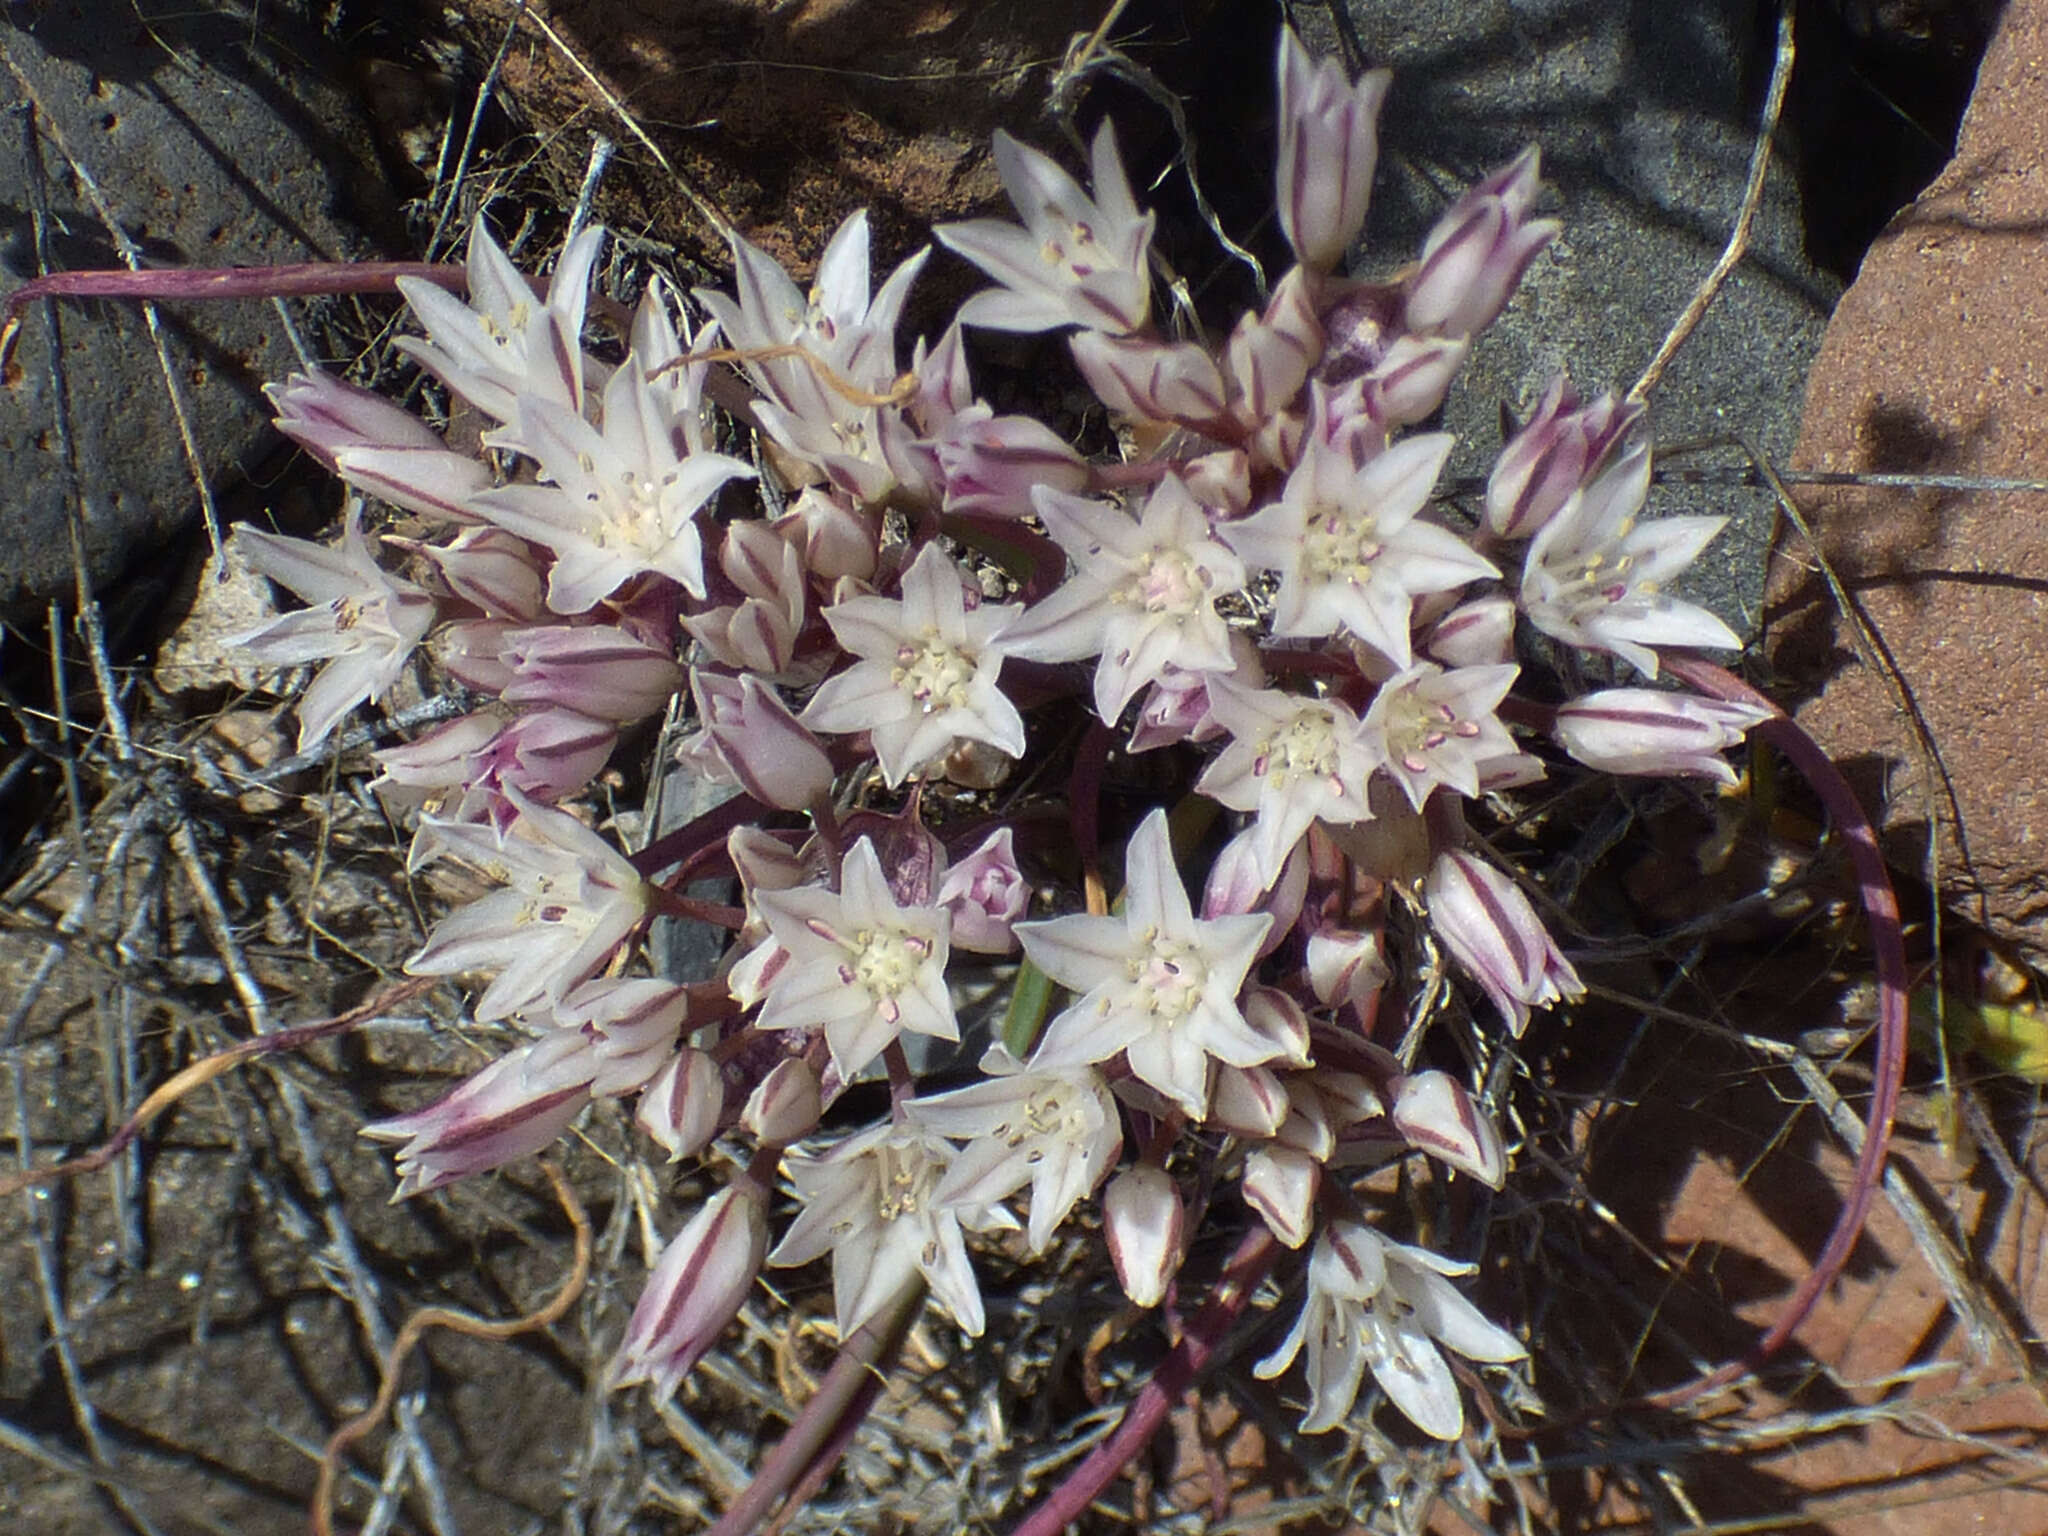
(822, 1427)
(1241, 1276)
(1881, 909)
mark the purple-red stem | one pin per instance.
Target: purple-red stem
(172, 284)
(1141, 1421)
(824, 1425)
(687, 841)
(1888, 952)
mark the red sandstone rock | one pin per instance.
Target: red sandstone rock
(1936, 362)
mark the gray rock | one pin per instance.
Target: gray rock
(215, 144)
(1646, 129)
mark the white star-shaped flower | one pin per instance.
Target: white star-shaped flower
(1595, 577)
(1384, 1306)
(571, 899)
(1056, 1131)
(1293, 760)
(617, 501)
(364, 622)
(868, 1202)
(1155, 983)
(860, 967)
(1345, 538)
(927, 673)
(1142, 595)
(1428, 726)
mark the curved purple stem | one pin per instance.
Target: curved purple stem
(1888, 951)
(820, 1432)
(1241, 1276)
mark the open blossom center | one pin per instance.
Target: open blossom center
(905, 1183)
(1602, 577)
(1171, 583)
(885, 962)
(1416, 727)
(934, 672)
(1338, 545)
(1304, 748)
(1169, 977)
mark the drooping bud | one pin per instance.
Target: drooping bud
(1151, 380)
(1144, 1220)
(596, 670)
(518, 1104)
(681, 1104)
(696, 1289)
(1653, 731)
(1496, 937)
(1433, 1110)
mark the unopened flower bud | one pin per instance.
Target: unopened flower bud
(1478, 252)
(1653, 731)
(681, 1104)
(493, 569)
(1280, 1021)
(839, 540)
(1151, 380)
(1329, 144)
(1496, 937)
(1144, 1220)
(1480, 633)
(785, 1105)
(1558, 449)
(1347, 968)
(1411, 380)
(518, 1104)
(990, 463)
(1235, 885)
(1433, 1110)
(986, 893)
(1247, 1101)
(375, 446)
(1280, 1183)
(596, 670)
(633, 1024)
(1270, 353)
(696, 1289)
(759, 742)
